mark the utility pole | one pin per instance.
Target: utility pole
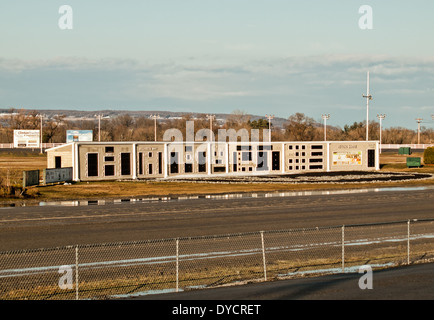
(368, 97)
(325, 117)
(155, 117)
(270, 117)
(211, 118)
(380, 117)
(418, 129)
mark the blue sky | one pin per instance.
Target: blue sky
(210, 56)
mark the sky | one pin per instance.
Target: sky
(261, 57)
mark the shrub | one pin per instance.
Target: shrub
(428, 155)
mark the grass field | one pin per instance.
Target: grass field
(13, 165)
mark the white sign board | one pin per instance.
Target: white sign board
(26, 138)
(79, 135)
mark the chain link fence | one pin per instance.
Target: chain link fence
(112, 270)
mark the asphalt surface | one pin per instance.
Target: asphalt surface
(42, 227)
(54, 226)
(414, 282)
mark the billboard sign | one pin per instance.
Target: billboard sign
(26, 138)
(79, 135)
(347, 158)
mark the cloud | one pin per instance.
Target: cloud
(311, 84)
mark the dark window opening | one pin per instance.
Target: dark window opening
(125, 164)
(109, 149)
(174, 162)
(188, 167)
(202, 161)
(313, 167)
(92, 164)
(275, 160)
(160, 161)
(246, 156)
(109, 170)
(140, 163)
(371, 158)
(58, 162)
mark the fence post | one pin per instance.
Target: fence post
(408, 241)
(177, 264)
(263, 255)
(343, 248)
(76, 272)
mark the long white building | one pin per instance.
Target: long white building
(93, 161)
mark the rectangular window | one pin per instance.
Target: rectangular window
(109, 170)
(316, 154)
(58, 162)
(265, 148)
(92, 164)
(160, 162)
(150, 168)
(316, 147)
(109, 149)
(140, 162)
(371, 158)
(108, 159)
(313, 167)
(315, 160)
(188, 167)
(246, 156)
(125, 164)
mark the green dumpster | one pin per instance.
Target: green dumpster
(413, 162)
(404, 150)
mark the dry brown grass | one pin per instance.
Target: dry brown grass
(14, 165)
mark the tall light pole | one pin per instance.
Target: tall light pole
(99, 127)
(380, 117)
(418, 129)
(270, 117)
(325, 117)
(368, 97)
(211, 118)
(41, 134)
(155, 117)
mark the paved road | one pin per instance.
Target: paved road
(36, 227)
(414, 282)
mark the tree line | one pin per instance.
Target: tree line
(298, 127)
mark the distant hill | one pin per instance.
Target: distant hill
(80, 114)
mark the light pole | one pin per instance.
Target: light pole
(418, 129)
(368, 97)
(325, 117)
(40, 144)
(270, 117)
(99, 127)
(380, 117)
(210, 117)
(155, 117)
